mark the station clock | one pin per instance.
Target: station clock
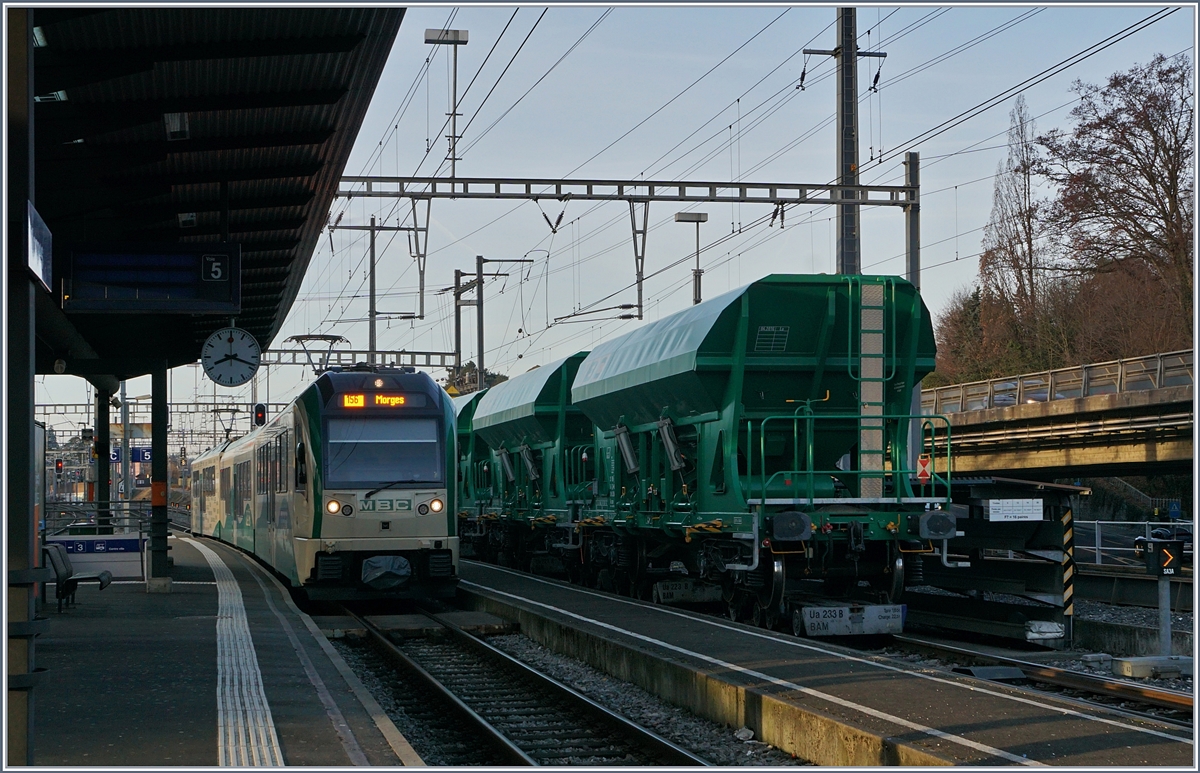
(230, 356)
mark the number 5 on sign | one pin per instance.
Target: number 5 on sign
(214, 268)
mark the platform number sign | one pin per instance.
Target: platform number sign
(1165, 558)
(215, 268)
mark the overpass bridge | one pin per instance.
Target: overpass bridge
(1124, 417)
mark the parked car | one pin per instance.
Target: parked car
(1173, 532)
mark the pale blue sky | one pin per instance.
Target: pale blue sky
(632, 62)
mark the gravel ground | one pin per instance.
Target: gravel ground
(1072, 659)
(1143, 616)
(1113, 613)
(719, 744)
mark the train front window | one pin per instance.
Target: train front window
(369, 451)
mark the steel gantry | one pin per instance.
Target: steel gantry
(638, 194)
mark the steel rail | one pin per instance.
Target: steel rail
(491, 735)
(666, 751)
(672, 754)
(1096, 685)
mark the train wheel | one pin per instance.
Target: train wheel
(604, 581)
(798, 628)
(738, 611)
(728, 591)
(897, 584)
(764, 617)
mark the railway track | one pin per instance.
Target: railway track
(523, 717)
(1145, 702)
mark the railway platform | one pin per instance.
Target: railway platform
(223, 670)
(820, 701)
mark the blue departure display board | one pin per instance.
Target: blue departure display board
(177, 278)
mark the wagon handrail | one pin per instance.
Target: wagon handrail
(804, 413)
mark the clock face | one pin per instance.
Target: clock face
(230, 356)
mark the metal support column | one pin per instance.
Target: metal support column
(912, 241)
(1164, 616)
(371, 313)
(912, 219)
(126, 483)
(457, 372)
(480, 381)
(639, 246)
(418, 248)
(103, 463)
(21, 318)
(159, 577)
(849, 261)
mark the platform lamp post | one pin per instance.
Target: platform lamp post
(454, 38)
(697, 218)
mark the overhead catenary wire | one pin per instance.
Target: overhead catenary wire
(575, 45)
(1033, 80)
(573, 265)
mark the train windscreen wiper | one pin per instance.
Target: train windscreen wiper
(387, 485)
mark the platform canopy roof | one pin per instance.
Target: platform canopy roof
(150, 123)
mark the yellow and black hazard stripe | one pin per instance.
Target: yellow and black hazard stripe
(1068, 562)
(708, 527)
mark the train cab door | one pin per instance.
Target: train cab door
(285, 554)
(264, 495)
(272, 453)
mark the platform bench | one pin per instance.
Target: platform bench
(66, 580)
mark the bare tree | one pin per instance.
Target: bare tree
(1018, 249)
(1126, 177)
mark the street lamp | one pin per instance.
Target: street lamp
(697, 218)
(453, 38)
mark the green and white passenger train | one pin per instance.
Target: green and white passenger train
(347, 493)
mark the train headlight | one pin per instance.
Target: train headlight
(436, 505)
(423, 509)
(333, 507)
(347, 510)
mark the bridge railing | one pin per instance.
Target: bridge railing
(1154, 371)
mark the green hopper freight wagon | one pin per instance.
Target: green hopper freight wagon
(529, 480)
(755, 450)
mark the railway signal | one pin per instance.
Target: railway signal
(260, 414)
(1164, 558)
